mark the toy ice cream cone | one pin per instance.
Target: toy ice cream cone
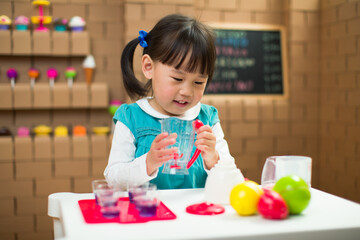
(89, 65)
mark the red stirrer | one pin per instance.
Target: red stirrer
(197, 124)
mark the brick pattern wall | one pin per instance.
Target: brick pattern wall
(339, 161)
(319, 119)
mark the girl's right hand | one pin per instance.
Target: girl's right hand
(158, 153)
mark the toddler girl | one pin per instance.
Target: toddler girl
(178, 60)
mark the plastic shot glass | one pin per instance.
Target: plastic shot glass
(98, 184)
(135, 190)
(108, 197)
(148, 203)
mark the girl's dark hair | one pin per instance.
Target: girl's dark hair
(169, 42)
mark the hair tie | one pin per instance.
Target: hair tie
(142, 35)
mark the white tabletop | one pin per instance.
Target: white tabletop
(326, 217)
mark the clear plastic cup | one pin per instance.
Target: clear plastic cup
(135, 190)
(148, 203)
(184, 142)
(276, 167)
(108, 200)
(98, 184)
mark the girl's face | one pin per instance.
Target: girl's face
(175, 90)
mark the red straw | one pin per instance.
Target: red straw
(198, 124)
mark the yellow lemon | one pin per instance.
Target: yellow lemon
(245, 196)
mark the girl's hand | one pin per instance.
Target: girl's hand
(206, 142)
(158, 153)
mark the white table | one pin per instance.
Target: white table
(327, 217)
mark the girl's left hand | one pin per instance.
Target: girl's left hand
(206, 142)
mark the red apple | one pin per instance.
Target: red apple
(272, 206)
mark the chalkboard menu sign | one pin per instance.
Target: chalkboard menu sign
(251, 60)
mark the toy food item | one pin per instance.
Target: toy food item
(23, 132)
(114, 105)
(12, 75)
(295, 192)
(101, 130)
(4, 131)
(42, 130)
(77, 24)
(70, 74)
(79, 130)
(5, 22)
(33, 75)
(89, 65)
(61, 131)
(60, 24)
(245, 196)
(272, 205)
(41, 19)
(21, 23)
(52, 74)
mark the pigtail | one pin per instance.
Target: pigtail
(133, 86)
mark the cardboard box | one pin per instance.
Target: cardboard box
(61, 43)
(80, 95)
(61, 95)
(6, 96)
(42, 148)
(81, 147)
(80, 43)
(62, 148)
(41, 95)
(21, 42)
(99, 96)
(5, 39)
(41, 43)
(22, 96)
(6, 149)
(99, 147)
(23, 149)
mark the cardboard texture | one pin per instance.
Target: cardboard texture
(21, 42)
(6, 96)
(61, 95)
(6, 149)
(99, 146)
(41, 43)
(5, 40)
(22, 96)
(80, 146)
(99, 95)
(42, 148)
(61, 43)
(80, 43)
(61, 148)
(80, 95)
(41, 95)
(23, 149)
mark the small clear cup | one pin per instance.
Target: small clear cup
(98, 184)
(135, 190)
(108, 197)
(148, 203)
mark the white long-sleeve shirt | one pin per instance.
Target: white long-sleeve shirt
(124, 168)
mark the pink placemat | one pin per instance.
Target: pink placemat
(128, 213)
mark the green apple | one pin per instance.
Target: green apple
(295, 192)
